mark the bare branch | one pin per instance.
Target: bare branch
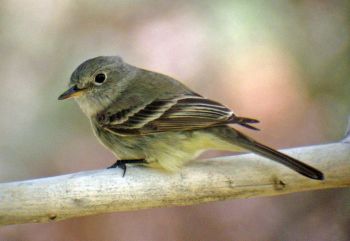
(105, 191)
(347, 133)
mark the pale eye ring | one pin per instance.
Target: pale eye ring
(100, 78)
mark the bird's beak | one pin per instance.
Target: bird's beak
(72, 92)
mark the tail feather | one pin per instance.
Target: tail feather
(275, 155)
(244, 121)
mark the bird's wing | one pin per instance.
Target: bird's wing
(186, 112)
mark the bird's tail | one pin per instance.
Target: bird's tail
(243, 121)
(260, 149)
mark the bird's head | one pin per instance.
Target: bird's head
(97, 82)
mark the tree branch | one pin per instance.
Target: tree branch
(104, 191)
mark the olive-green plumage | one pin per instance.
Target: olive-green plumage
(139, 114)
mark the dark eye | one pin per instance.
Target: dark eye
(100, 78)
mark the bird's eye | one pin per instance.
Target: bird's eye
(100, 78)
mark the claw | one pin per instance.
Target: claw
(122, 164)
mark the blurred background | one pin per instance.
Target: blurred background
(286, 63)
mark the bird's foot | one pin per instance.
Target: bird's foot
(122, 164)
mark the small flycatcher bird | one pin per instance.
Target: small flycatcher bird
(152, 119)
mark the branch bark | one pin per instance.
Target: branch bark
(105, 191)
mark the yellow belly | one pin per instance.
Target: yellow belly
(180, 149)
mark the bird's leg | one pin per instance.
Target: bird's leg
(122, 164)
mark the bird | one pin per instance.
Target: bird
(151, 119)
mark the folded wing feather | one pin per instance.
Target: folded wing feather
(185, 112)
